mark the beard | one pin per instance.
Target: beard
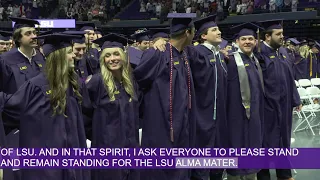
(275, 45)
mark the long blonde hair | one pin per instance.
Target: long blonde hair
(304, 51)
(59, 76)
(108, 78)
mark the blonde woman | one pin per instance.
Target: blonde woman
(47, 109)
(115, 102)
(301, 65)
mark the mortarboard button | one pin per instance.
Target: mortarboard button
(54, 42)
(181, 21)
(23, 22)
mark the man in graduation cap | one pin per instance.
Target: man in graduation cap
(210, 78)
(210, 81)
(245, 100)
(312, 59)
(142, 39)
(19, 65)
(92, 51)
(169, 100)
(5, 44)
(83, 65)
(280, 92)
(295, 58)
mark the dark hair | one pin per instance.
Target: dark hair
(16, 37)
(205, 32)
(264, 33)
(179, 34)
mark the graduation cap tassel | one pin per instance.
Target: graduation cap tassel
(38, 28)
(258, 35)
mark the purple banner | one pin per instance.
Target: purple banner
(160, 158)
(55, 23)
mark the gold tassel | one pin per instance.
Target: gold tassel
(310, 65)
(171, 134)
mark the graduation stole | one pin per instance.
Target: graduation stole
(244, 81)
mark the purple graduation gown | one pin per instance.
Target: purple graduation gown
(16, 69)
(281, 96)
(92, 61)
(153, 76)
(82, 69)
(300, 67)
(115, 124)
(29, 110)
(209, 131)
(312, 57)
(244, 132)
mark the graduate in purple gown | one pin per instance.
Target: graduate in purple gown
(280, 92)
(169, 118)
(312, 60)
(300, 65)
(142, 40)
(293, 52)
(82, 65)
(115, 122)
(47, 109)
(209, 72)
(245, 102)
(19, 65)
(5, 41)
(92, 54)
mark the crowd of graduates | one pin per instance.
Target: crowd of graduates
(60, 89)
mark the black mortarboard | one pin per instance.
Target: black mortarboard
(134, 55)
(141, 36)
(159, 32)
(111, 41)
(294, 41)
(246, 29)
(223, 44)
(5, 35)
(272, 24)
(23, 22)
(181, 21)
(204, 23)
(80, 40)
(54, 42)
(82, 26)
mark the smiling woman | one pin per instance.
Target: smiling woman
(115, 100)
